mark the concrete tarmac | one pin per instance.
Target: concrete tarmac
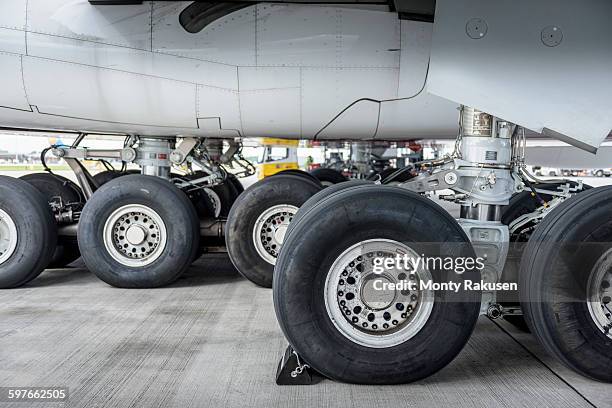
(212, 340)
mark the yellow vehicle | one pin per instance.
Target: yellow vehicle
(277, 155)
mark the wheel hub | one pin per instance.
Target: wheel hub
(373, 298)
(135, 235)
(8, 236)
(599, 293)
(361, 304)
(270, 229)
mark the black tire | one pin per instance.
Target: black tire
(236, 182)
(53, 186)
(337, 223)
(326, 192)
(176, 213)
(203, 203)
(227, 194)
(298, 172)
(521, 204)
(107, 175)
(36, 232)
(287, 189)
(66, 252)
(328, 177)
(556, 265)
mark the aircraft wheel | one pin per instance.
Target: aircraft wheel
(28, 232)
(107, 175)
(258, 221)
(138, 232)
(327, 303)
(328, 177)
(520, 204)
(53, 186)
(565, 283)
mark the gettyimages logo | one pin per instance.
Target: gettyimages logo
(412, 265)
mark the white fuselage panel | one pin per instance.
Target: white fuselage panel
(280, 70)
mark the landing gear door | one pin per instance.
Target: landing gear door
(544, 64)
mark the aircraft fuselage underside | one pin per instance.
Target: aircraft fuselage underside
(290, 70)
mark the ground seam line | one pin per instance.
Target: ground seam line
(544, 364)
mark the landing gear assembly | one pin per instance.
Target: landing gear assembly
(341, 321)
(319, 248)
(133, 228)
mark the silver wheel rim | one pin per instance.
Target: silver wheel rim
(376, 320)
(8, 236)
(270, 229)
(216, 201)
(599, 293)
(135, 235)
(326, 183)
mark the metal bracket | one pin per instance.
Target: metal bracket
(227, 157)
(491, 242)
(126, 154)
(440, 180)
(182, 151)
(202, 182)
(72, 155)
(561, 194)
(85, 179)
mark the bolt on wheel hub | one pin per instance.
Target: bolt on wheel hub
(361, 304)
(270, 230)
(135, 235)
